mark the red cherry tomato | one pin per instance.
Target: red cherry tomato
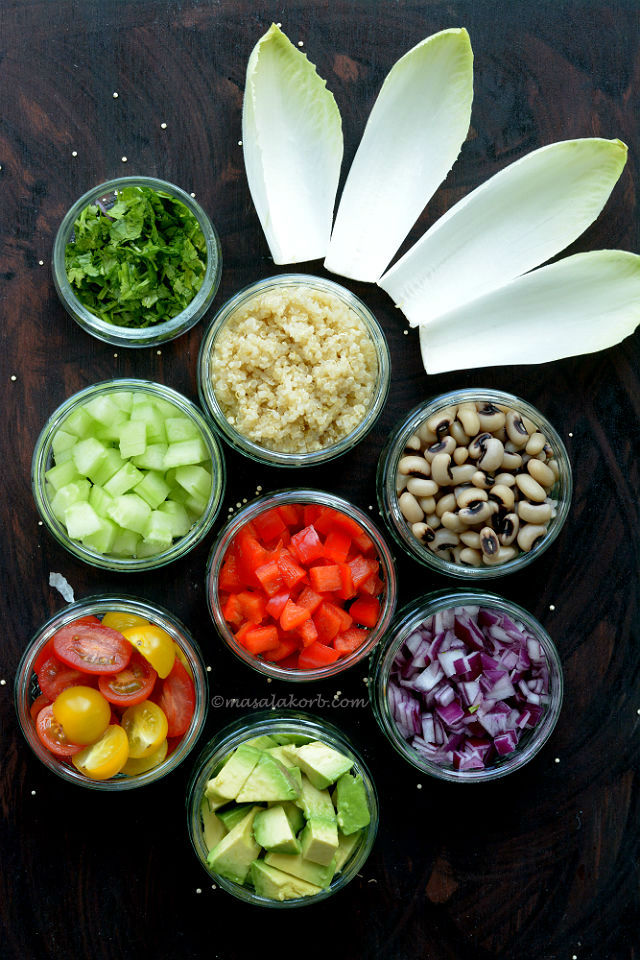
(176, 696)
(37, 705)
(47, 651)
(55, 676)
(132, 685)
(53, 736)
(92, 648)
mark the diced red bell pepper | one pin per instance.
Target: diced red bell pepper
(309, 598)
(328, 622)
(269, 525)
(365, 611)
(307, 545)
(270, 577)
(364, 543)
(284, 649)
(372, 587)
(310, 513)
(308, 632)
(229, 577)
(259, 639)
(345, 643)
(244, 630)
(325, 579)
(291, 572)
(345, 618)
(232, 610)
(293, 615)
(251, 555)
(316, 655)
(290, 662)
(253, 606)
(291, 514)
(336, 546)
(348, 524)
(361, 569)
(347, 589)
(276, 604)
(324, 520)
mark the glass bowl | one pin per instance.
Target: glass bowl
(409, 619)
(243, 443)
(43, 458)
(26, 687)
(312, 497)
(156, 333)
(266, 723)
(406, 434)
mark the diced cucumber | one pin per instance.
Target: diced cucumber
(125, 543)
(152, 488)
(152, 418)
(158, 530)
(102, 540)
(177, 494)
(133, 438)
(148, 548)
(195, 480)
(81, 520)
(88, 454)
(152, 458)
(80, 423)
(184, 453)
(106, 468)
(109, 433)
(62, 440)
(178, 517)
(165, 408)
(71, 493)
(59, 476)
(104, 410)
(196, 504)
(125, 479)
(123, 399)
(64, 456)
(180, 428)
(130, 511)
(100, 500)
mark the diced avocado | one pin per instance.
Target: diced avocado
(234, 814)
(263, 742)
(297, 866)
(294, 814)
(214, 799)
(321, 763)
(316, 803)
(276, 885)
(234, 773)
(270, 780)
(279, 753)
(351, 802)
(295, 738)
(234, 854)
(346, 846)
(319, 840)
(213, 828)
(272, 830)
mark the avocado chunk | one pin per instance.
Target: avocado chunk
(213, 829)
(314, 802)
(263, 742)
(234, 814)
(270, 780)
(234, 773)
(233, 855)
(294, 815)
(280, 754)
(319, 840)
(295, 738)
(276, 885)
(321, 763)
(297, 866)
(272, 830)
(351, 801)
(214, 799)
(346, 846)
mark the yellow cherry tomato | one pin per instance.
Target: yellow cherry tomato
(104, 758)
(155, 645)
(133, 767)
(120, 620)
(181, 656)
(146, 727)
(83, 713)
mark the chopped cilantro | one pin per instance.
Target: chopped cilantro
(138, 262)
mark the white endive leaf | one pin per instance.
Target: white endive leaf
(581, 304)
(412, 139)
(292, 143)
(522, 216)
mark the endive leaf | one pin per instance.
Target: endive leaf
(412, 139)
(578, 305)
(522, 216)
(292, 143)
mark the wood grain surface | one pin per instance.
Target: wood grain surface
(541, 866)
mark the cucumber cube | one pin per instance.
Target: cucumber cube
(81, 520)
(106, 468)
(131, 512)
(88, 454)
(62, 441)
(125, 479)
(165, 408)
(105, 411)
(80, 424)
(133, 438)
(154, 422)
(125, 543)
(159, 530)
(102, 540)
(195, 506)
(186, 452)
(152, 458)
(71, 493)
(195, 480)
(148, 548)
(178, 517)
(62, 474)
(100, 500)
(153, 489)
(63, 456)
(177, 494)
(123, 399)
(180, 428)
(110, 433)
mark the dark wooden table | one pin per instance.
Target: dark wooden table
(541, 866)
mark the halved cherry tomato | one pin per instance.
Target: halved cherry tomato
(177, 699)
(120, 620)
(37, 705)
(132, 685)
(53, 736)
(181, 656)
(104, 758)
(146, 727)
(83, 713)
(133, 767)
(92, 648)
(47, 650)
(55, 676)
(155, 645)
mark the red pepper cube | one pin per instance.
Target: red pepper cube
(244, 629)
(325, 579)
(270, 577)
(284, 650)
(253, 606)
(293, 615)
(291, 514)
(372, 587)
(309, 598)
(291, 572)
(232, 610)
(347, 589)
(229, 577)
(276, 603)
(290, 662)
(345, 618)
(259, 639)
(337, 545)
(251, 555)
(316, 655)
(345, 643)
(361, 569)
(328, 622)
(365, 611)
(269, 525)
(307, 545)
(364, 543)
(308, 632)
(348, 524)
(310, 513)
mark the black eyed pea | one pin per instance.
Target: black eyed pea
(479, 512)
(433, 520)
(547, 450)
(458, 434)
(441, 469)
(444, 540)
(401, 482)
(422, 487)
(482, 480)
(505, 480)
(542, 473)
(468, 417)
(470, 557)
(529, 535)
(428, 504)
(531, 489)
(466, 496)
(471, 538)
(503, 495)
(511, 461)
(509, 529)
(452, 521)
(460, 455)
(462, 473)
(440, 422)
(491, 417)
(489, 543)
(535, 444)
(426, 436)
(492, 456)
(530, 426)
(413, 443)
(516, 429)
(553, 465)
(456, 553)
(410, 508)
(446, 504)
(423, 532)
(502, 556)
(446, 445)
(476, 447)
(414, 466)
(539, 513)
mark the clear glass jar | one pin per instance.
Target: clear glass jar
(286, 722)
(395, 449)
(137, 336)
(268, 502)
(409, 619)
(43, 458)
(242, 443)
(26, 687)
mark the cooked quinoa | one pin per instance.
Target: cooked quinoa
(294, 369)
